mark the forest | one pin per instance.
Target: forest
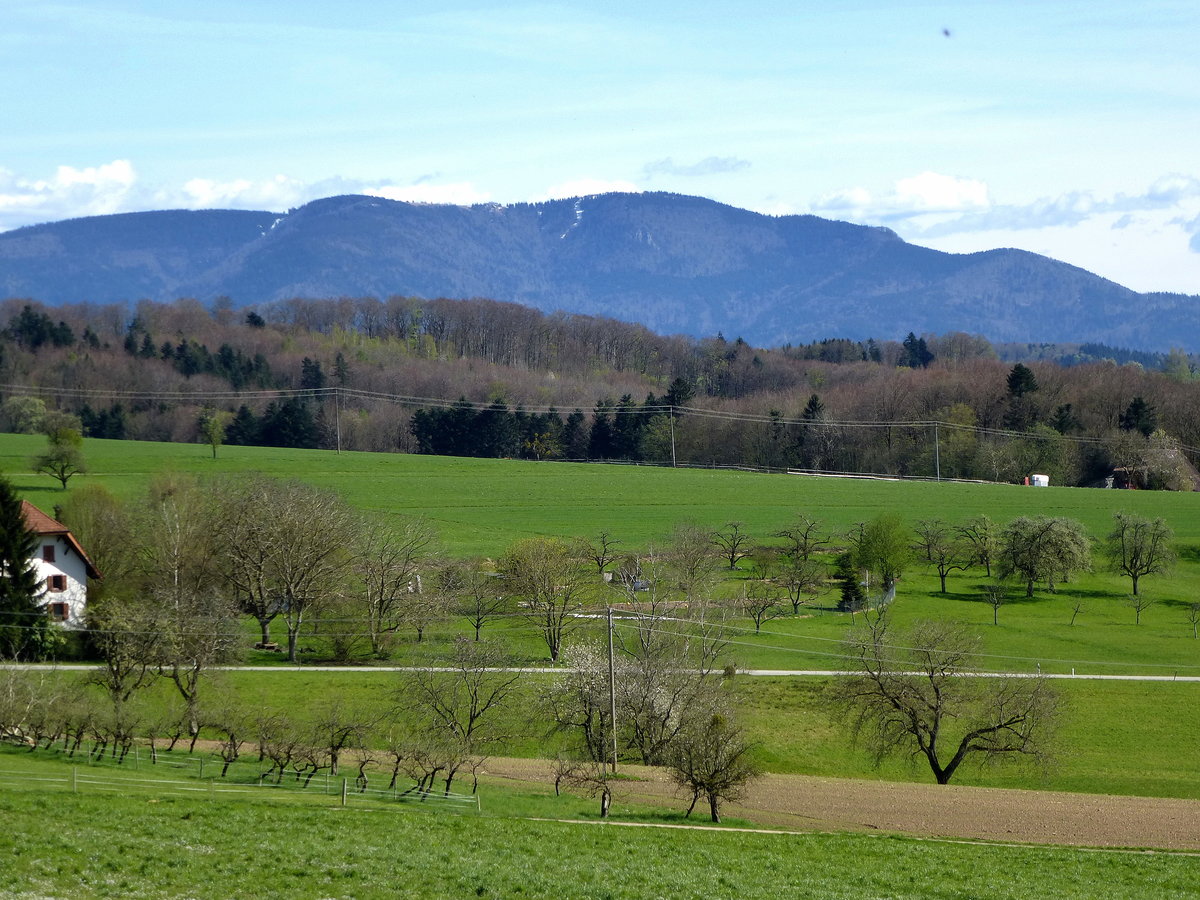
(484, 378)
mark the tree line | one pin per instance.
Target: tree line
(572, 387)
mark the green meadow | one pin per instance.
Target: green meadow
(171, 844)
(481, 506)
(1121, 737)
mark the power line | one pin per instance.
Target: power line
(479, 406)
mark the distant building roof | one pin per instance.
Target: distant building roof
(41, 524)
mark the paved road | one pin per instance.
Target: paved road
(551, 670)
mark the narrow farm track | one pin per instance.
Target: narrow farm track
(558, 670)
(925, 810)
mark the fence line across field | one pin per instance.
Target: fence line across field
(92, 776)
(75, 782)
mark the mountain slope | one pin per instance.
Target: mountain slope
(673, 263)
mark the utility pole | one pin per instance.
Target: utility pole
(937, 457)
(337, 417)
(672, 437)
(612, 692)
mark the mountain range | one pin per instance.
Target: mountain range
(674, 263)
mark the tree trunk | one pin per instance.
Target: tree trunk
(265, 625)
(713, 808)
(942, 575)
(605, 802)
(1135, 584)
(292, 640)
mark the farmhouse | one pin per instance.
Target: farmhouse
(62, 567)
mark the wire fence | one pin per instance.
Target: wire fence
(138, 772)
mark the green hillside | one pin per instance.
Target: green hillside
(482, 505)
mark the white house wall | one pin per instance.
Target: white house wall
(66, 562)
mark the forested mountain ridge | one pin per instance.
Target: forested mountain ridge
(675, 264)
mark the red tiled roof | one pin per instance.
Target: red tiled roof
(40, 523)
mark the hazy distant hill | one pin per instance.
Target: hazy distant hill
(673, 263)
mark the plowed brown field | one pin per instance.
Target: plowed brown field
(926, 810)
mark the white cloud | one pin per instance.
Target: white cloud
(586, 187)
(461, 193)
(930, 191)
(280, 192)
(69, 193)
(114, 188)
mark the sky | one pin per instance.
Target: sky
(1066, 128)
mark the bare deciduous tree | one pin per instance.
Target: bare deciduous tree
(733, 543)
(1137, 547)
(458, 704)
(480, 595)
(689, 563)
(803, 538)
(178, 569)
(906, 695)
(760, 602)
(995, 595)
(386, 566)
(937, 545)
(712, 758)
(982, 535)
(1077, 606)
(1139, 603)
(546, 577)
(285, 547)
(602, 550)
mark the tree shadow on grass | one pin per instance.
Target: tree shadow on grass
(1174, 603)
(1014, 593)
(1189, 554)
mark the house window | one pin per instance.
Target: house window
(56, 583)
(60, 611)
(48, 553)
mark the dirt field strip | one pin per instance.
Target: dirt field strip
(929, 840)
(948, 812)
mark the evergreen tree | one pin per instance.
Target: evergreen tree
(916, 353)
(680, 393)
(1021, 381)
(814, 410)
(311, 376)
(289, 424)
(1139, 416)
(243, 430)
(600, 444)
(23, 624)
(853, 597)
(341, 368)
(575, 436)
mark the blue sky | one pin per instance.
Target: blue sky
(1068, 129)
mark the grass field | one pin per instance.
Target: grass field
(1123, 737)
(62, 844)
(481, 506)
